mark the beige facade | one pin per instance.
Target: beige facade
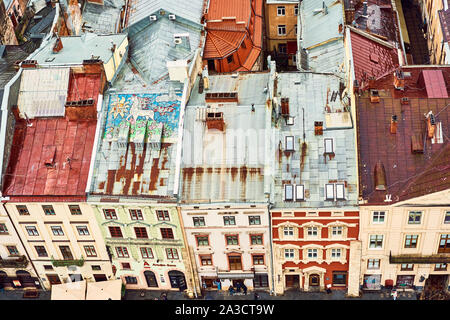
(63, 241)
(229, 244)
(412, 235)
(281, 26)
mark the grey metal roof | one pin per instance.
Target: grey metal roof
(7, 68)
(102, 19)
(189, 10)
(152, 45)
(229, 165)
(327, 58)
(309, 91)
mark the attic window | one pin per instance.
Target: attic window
(49, 59)
(328, 144)
(289, 146)
(299, 192)
(340, 191)
(289, 121)
(329, 191)
(288, 192)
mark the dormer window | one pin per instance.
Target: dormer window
(328, 144)
(289, 144)
(340, 194)
(329, 191)
(288, 192)
(299, 192)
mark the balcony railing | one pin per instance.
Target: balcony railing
(19, 262)
(419, 259)
(65, 263)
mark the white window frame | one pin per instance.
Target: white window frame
(281, 11)
(287, 231)
(336, 253)
(59, 230)
(281, 27)
(415, 212)
(299, 192)
(327, 147)
(289, 143)
(376, 240)
(312, 231)
(378, 215)
(373, 264)
(84, 230)
(340, 191)
(296, 10)
(337, 234)
(289, 254)
(329, 187)
(311, 252)
(288, 187)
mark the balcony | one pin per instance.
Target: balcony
(136, 241)
(19, 262)
(419, 259)
(67, 262)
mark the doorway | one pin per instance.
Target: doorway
(292, 281)
(177, 280)
(314, 280)
(151, 279)
(53, 279)
(211, 65)
(25, 279)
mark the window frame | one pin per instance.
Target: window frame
(376, 241)
(373, 264)
(291, 188)
(48, 210)
(259, 257)
(258, 236)
(172, 256)
(167, 233)
(12, 248)
(447, 217)
(281, 11)
(3, 228)
(75, 210)
(310, 252)
(329, 197)
(205, 257)
(415, 214)
(229, 219)
(122, 252)
(165, 216)
(196, 220)
(378, 216)
(90, 251)
(41, 253)
(442, 267)
(407, 267)
(281, 27)
(253, 219)
(411, 241)
(146, 250)
(288, 229)
(200, 240)
(234, 238)
(59, 230)
(115, 233)
(110, 214)
(289, 143)
(84, 230)
(136, 214)
(33, 229)
(289, 254)
(22, 210)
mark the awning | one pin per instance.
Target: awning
(69, 291)
(235, 275)
(292, 47)
(104, 290)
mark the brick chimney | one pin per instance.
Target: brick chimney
(394, 124)
(399, 80)
(58, 45)
(374, 96)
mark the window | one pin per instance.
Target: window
(447, 217)
(48, 210)
(3, 228)
(167, 233)
(122, 252)
(131, 280)
(48, 267)
(256, 239)
(296, 10)
(229, 221)
(440, 267)
(23, 211)
(136, 214)
(378, 216)
(206, 260)
(261, 281)
(74, 209)
(235, 262)
(66, 253)
(335, 253)
(115, 232)
(288, 231)
(230, 59)
(328, 144)
(295, 30)
(376, 241)
(146, 253)
(336, 231)
(232, 240)
(289, 143)
(96, 268)
(282, 48)
(125, 266)
(110, 214)
(90, 251)
(32, 231)
(299, 192)
(444, 244)
(199, 221)
(83, 230)
(289, 253)
(414, 217)
(254, 220)
(288, 192)
(312, 253)
(339, 278)
(172, 253)
(41, 252)
(141, 232)
(340, 193)
(373, 264)
(202, 241)
(312, 231)
(12, 250)
(57, 231)
(411, 241)
(281, 30)
(163, 215)
(258, 259)
(407, 267)
(329, 191)
(281, 11)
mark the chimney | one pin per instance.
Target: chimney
(371, 82)
(58, 45)
(431, 124)
(404, 101)
(394, 124)
(28, 64)
(285, 106)
(399, 80)
(318, 128)
(374, 96)
(380, 177)
(364, 8)
(355, 86)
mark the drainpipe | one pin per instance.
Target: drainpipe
(269, 207)
(25, 248)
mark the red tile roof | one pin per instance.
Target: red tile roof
(434, 83)
(371, 58)
(408, 174)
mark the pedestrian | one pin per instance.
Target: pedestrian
(238, 287)
(328, 288)
(219, 285)
(204, 285)
(231, 290)
(394, 294)
(163, 296)
(244, 288)
(256, 296)
(2, 288)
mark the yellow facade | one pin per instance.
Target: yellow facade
(76, 233)
(112, 65)
(435, 38)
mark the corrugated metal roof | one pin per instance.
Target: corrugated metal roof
(435, 84)
(307, 164)
(43, 92)
(319, 27)
(7, 67)
(219, 9)
(141, 9)
(102, 19)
